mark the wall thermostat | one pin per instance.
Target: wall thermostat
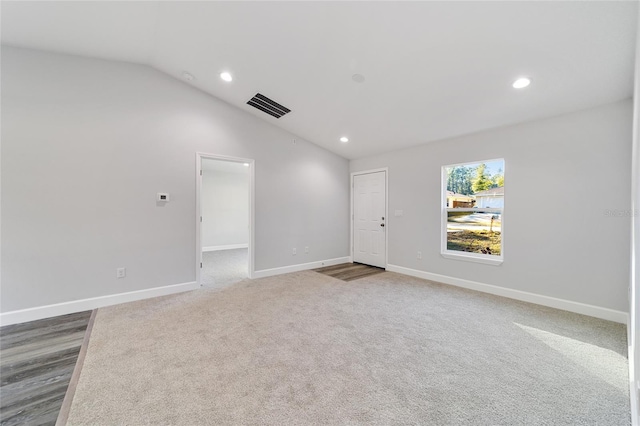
(163, 196)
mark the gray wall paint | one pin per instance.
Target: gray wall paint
(87, 144)
(561, 174)
(225, 208)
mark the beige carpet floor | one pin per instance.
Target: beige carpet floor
(305, 348)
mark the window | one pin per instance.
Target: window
(472, 211)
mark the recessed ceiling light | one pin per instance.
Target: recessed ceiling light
(187, 76)
(246, 164)
(521, 83)
(344, 139)
(226, 76)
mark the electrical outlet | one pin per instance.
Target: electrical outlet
(419, 255)
(295, 251)
(306, 249)
(121, 272)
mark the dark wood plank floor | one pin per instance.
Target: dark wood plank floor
(37, 359)
(349, 271)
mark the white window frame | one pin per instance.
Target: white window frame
(487, 259)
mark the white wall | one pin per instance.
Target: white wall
(87, 144)
(556, 243)
(225, 208)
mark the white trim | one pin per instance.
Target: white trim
(635, 415)
(252, 218)
(47, 311)
(227, 247)
(252, 210)
(301, 267)
(475, 162)
(633, 334)
(473, 257)
(634, 386)
(456, 255)
(386, 210)
(552, 302)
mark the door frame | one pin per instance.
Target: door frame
(251, 257)
(386, 211)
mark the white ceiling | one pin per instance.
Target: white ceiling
(433, 70)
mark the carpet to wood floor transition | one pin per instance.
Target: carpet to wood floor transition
(305, 348)
(37, 360)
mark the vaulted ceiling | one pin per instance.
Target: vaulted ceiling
(432, 70)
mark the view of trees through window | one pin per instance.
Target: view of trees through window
(474, 207)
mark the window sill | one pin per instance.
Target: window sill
(476, 259)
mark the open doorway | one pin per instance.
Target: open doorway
(225, 220)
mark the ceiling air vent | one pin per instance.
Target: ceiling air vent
(267, 105)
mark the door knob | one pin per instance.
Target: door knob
(382, 224)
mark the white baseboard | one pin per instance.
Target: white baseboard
(634, 387)
(300, 267)
(635, 404)
(552, 302)
(227, 247)
(32, 314)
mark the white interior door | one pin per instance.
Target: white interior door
(369, 220)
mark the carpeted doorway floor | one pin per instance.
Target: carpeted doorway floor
(222, 268)
(306, 349)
